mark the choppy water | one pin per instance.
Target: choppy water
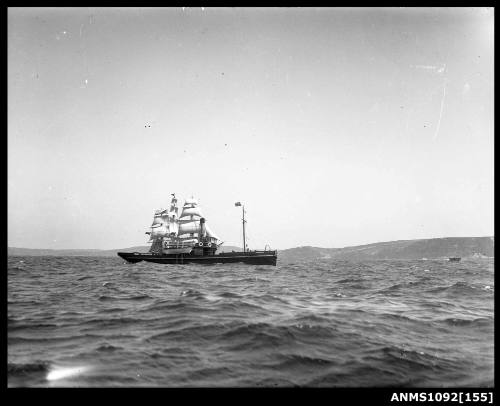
(83, 321)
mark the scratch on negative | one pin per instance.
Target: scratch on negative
(440, 112)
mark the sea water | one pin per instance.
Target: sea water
(89, 321)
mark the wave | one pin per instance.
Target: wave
(178, 305)
(399, 358)
(406, 285)
(33, 340)
(192, 293)
(478, 322)
(18, 268)
(21, 369)
(13, 320)
(218, 372)
(260, 268)
(138, 297)
(348, 280)
(309, 318)
(456, 288)
(98, 323)
(267, 297)
(195, 294)
(22, 326)
(300, 361)
(241, 306)
(230, 295)
(108, 348)
(256, 336)
(105, 380)
(104, 298)
(190, 331)
(112, 310)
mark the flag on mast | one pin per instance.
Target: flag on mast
(237, 204)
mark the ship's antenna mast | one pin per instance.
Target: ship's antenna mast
(244, 241)
(244, 221)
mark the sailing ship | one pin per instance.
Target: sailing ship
(186, 238)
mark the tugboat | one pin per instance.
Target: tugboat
(187, 239)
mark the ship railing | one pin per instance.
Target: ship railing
(263, 252)
(181, 244)
(253, 252)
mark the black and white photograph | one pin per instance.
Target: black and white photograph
(251, 197)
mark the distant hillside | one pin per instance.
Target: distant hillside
(465, 247)
(30, 252)
(13, 251)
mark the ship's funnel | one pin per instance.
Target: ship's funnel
(203, 229)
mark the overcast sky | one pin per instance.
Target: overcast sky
(334, 127)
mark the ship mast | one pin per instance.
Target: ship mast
(244, 221)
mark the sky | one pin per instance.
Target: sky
(334, 127)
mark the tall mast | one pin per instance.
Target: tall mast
(244, 221)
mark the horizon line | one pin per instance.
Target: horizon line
(298, 246)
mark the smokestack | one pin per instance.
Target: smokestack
(203, 230)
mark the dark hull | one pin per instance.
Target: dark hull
(252, 258)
